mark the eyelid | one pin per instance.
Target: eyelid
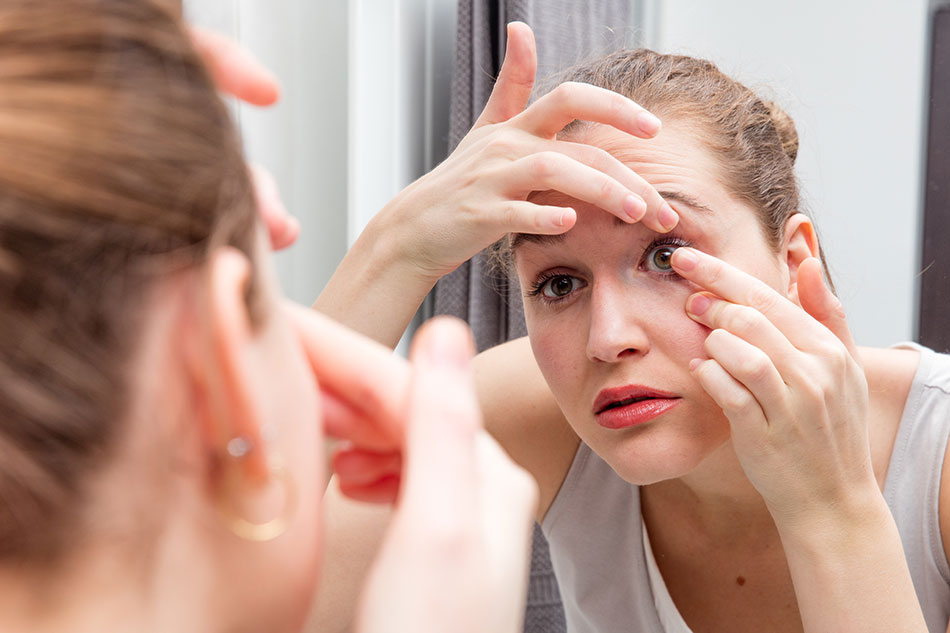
(672, 240)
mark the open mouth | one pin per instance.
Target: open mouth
(625, 402)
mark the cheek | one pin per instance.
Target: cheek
(557, 342)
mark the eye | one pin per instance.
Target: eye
(658, 258)
(558, 287)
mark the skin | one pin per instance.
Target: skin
(705, 485)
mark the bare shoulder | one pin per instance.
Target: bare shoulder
(522, 415)
(890, 374)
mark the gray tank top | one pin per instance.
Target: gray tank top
(595, 531)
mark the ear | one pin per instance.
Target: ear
(799, 244)
(221, 364)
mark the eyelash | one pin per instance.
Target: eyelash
(537, 287)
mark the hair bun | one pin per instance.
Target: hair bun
(785, 128)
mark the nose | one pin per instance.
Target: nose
(616, 326)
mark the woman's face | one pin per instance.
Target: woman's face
(606, 316)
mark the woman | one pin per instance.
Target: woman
(161, 428)
(721, 457)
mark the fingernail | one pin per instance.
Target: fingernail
(684, 259)
(648, 123)
(635, 207)
(563, 218)
(668, 217)
(698, 304)
(693, 364)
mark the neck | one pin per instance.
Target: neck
(105, 589)
(715, 501)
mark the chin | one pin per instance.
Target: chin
(659, 450)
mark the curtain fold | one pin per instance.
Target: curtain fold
(566, 32)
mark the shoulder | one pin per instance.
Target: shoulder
(521, 413)
(890, 375)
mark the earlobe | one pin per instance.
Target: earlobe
(800, 243)
(233, 398)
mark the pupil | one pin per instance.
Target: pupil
(662, 258)
(562, 286)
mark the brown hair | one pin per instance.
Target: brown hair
(755, 140)
(117, 162)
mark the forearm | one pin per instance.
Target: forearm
(376, 289)
(851, 575)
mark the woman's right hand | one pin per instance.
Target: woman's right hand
(455, 556)
(479, 193)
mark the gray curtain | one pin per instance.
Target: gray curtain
(566, 32)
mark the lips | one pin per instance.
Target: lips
(621, 407)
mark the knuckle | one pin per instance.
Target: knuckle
(565, 92)
(756, 367)
(742, 320)
(500, 145)
(762, 298)
(617, 106)
(608, 189)
(736, 400)
(543, 166)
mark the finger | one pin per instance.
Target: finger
(737, 286)
(656, 213)
(750, 367)
(737, 403)
(748, 324)
(551, 113)
(512, 89)
(361, 467)
(282, 227)
(363, 374)
(520, 216)
(555, 171)
(822, 304)
(341, 421)
(234, 70)
(443, 422)
(385, 490)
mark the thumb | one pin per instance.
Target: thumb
(440, 460)
(823, 306)
(513, 87)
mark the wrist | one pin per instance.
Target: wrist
(837, 527)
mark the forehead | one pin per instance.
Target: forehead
(678, 155)
(676, 162)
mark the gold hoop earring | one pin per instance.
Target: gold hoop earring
(268, 530)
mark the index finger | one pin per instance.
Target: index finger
(740, 287)
(572, 100)
(361, 373)
(234, 70)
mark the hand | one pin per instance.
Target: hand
(789, 382)
(237, 73)
(481, 191)
(455, 556)
(365, 391)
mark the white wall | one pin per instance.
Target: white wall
(364, 110)
(851, 74)
(303, 140)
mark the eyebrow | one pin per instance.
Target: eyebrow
(678, 196)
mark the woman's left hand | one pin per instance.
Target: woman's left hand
(789, 381)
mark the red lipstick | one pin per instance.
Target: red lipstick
(622, 407)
